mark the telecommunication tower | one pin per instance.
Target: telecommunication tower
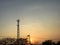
(18, 33)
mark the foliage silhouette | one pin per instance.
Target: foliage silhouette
(47, 42)
(58, 43)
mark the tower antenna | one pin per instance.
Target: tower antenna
(18, 33)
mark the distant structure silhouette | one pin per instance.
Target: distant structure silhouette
(29, 40)
(19, 41)
(18, 32)
(18, 29)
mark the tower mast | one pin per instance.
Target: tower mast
(18, 29)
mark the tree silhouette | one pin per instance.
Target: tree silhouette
(47, 42)
(58, 43)
(53, 43)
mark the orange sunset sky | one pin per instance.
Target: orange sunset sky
(39, 18)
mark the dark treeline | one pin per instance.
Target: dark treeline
(7, 41)
(49, 42)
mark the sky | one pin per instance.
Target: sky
(39, 18)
